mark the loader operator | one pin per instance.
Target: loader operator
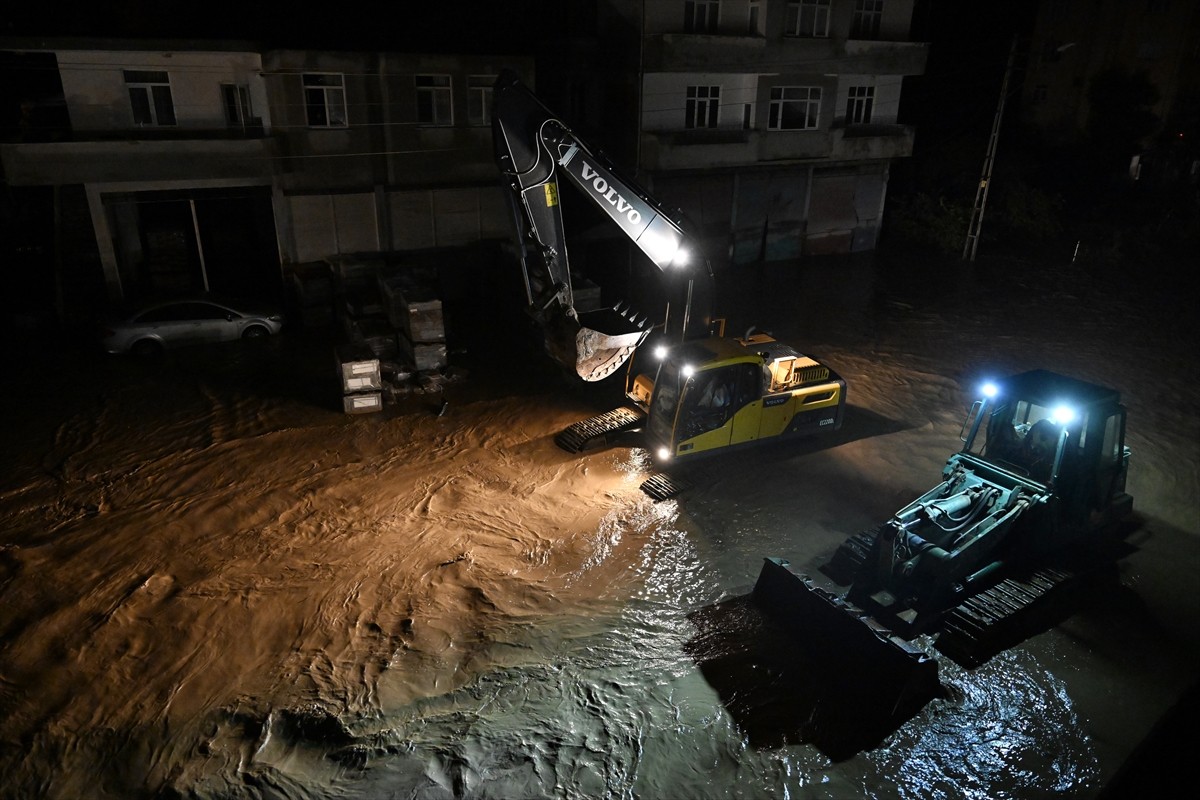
(1004, 442)
(1037, 449)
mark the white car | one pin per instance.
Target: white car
(178, 323)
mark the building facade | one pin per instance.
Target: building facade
(166, 168)
(772, 123)
(222, 168)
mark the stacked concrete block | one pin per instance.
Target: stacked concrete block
(361, 379)
(415, 312)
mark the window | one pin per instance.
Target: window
(702, 106)
(859, 105)
(700, 16)
(794, 108)
(433, 100)
(236, 100)
(1112, 449)
(479, 99)
(867, 16)
(325, 100)
(150, 97)
(753, 17)
(807, 18)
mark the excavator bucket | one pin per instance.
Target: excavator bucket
(842, 630)
(604, 341)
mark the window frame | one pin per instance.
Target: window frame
(817, 12)
(860, 104)
(702, 108)
(479, 95)
(150, 98)
(780, 104)
(235, 100)
(867, 20)
(428, 97)
(332, 99)
(701, 16)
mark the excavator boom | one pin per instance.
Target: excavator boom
(533, 149)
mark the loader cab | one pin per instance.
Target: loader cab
(1061, 432)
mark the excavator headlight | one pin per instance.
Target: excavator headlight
(664, 453)
(687, 370)
(660, 352)
(681, 258)
(989, 389)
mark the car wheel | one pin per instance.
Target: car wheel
(146, 348)
(254, 332)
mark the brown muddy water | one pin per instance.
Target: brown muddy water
(214, 584)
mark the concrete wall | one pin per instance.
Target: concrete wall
(98, 98)
(318, 226)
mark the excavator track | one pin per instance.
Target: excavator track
(1007, 613)
(662, 486)
(595, 431)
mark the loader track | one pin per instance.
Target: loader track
(850, 556)
(596, 430)
(1009, 612)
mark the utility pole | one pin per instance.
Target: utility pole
(985, 179)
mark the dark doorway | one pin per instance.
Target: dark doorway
(241, 255)
(236, 253)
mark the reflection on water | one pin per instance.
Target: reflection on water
(607, 701)
(1009, 729)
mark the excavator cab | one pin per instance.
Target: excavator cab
(716, 393)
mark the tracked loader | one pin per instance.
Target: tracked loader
(1024, 513)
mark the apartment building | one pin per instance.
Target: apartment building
(771, 123)
(158, 162)
(382, 152)
(163, 168)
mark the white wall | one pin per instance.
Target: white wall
(664, 100)
(887, 96)
(98, 99)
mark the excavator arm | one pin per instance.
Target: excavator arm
(533, 148)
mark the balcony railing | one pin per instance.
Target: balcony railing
(708, 149)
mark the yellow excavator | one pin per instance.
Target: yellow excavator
(691, 390)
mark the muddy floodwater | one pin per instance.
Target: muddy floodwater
(215, 584)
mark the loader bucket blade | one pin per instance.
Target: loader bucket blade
(605, 341)
(846, 631)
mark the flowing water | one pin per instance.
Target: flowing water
(216, 585)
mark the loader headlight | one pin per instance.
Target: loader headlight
(989, 390)
(661, 351)
(681, 257)
(664, 454)
(687, 371)
(1063, 415)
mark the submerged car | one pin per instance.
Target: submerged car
(178, 323)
